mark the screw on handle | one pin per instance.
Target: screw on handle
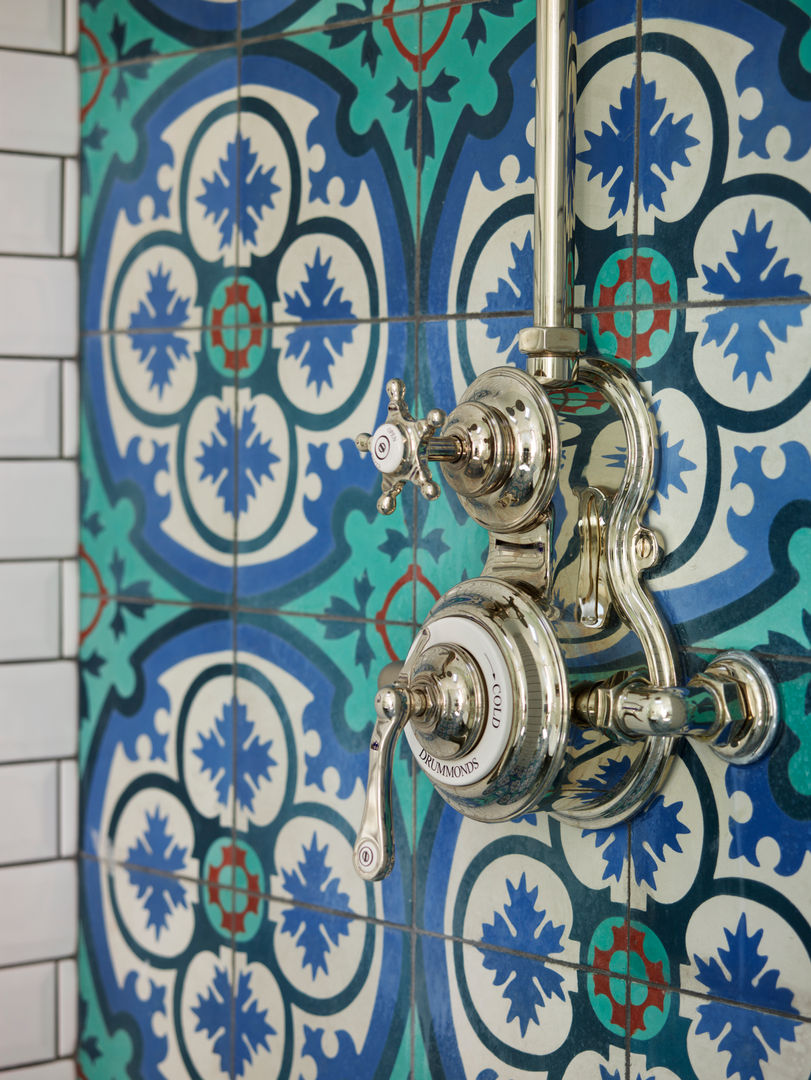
(402, 446)
(374, 846)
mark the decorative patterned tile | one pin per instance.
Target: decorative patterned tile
(159, 207)
(488, 1014)
(731, 149)
(723, 879)
(115, 32)
(702, 1039)
(157, 992)
(151, 694)
(346, 22)
(304, 706)
(224, 756)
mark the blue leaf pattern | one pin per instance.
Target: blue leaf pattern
(239, 170)
(157, 850)
(160, 311)
(528, 983)
(743, 977)
(610, 153)
(757, 273)
(237, 482)
(318, 300)
(216, 754)
(251, 1029)
(312, 884)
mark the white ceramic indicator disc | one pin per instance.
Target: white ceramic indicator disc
(478, 762)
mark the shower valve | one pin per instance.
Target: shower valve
(493, 696)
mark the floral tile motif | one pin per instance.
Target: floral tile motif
(729, 172)
(127, 32)
(489, 1014)
(344, 18)
(299, 735)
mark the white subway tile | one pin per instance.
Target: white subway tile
(40, 501)
(70, 607)
(29, 601)
(27, 1018)
(27, 813)
(40, 710)
(67, 996)
(70, 206)
(31, 24)
(68, 808)
(37, 911)
(70, 408)
(71, 26)
(45, 95)
(38, 305)
(29, 408)
(53, 1070)
(31, 195)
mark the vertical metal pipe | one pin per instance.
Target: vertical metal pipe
(553, 231)
(552, 343)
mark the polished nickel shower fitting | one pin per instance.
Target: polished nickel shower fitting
(510, 697)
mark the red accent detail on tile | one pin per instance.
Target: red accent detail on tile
(418, 63)
(654, 972)
(660, 291)
(236, 294)
(606, 321)
(104, 596)
(233, 856)
(602, 983)
(105, 71)
(414, 573)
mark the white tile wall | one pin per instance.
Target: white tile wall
(54, 1070)
(67, 989)
(44, 91)
(38, 305)
(30, 405)
(31, 24)
(40, 505)
(32, 187)
(29, 611)
(40, 711)
(28, 795)
(70, 207)
(68, 808)
(27, 1019)
(39, 179)
(37, 911)
(70, 408)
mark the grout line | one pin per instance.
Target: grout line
(246, 609)
(38, 153)
(235, 560)
(419, 317)
(635, 226)
(58, 957)
(435, 935)
(39, 761)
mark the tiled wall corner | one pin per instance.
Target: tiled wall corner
(39, 542)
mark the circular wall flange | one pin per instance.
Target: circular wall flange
(516, 424)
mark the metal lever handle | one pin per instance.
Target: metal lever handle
(402, 447)
(374, 846)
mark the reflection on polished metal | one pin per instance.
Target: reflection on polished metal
(495, 678)
(731, 706)
(400, 448)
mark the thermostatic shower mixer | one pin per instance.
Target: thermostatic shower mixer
(489, 694)
(550, 682)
